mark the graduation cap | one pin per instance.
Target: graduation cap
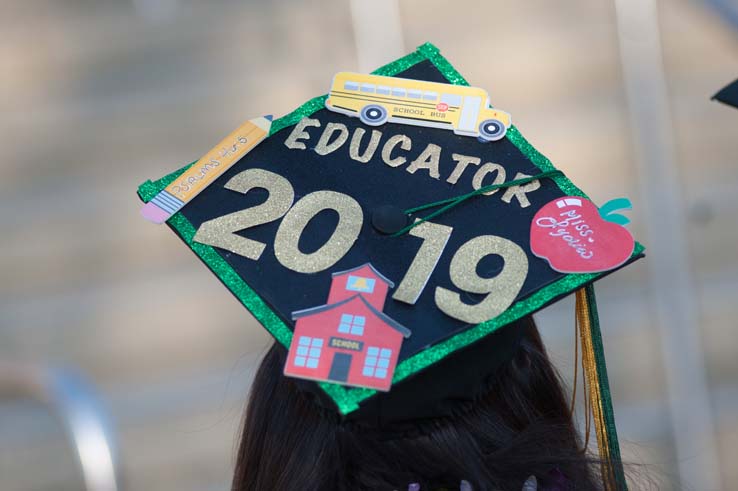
(393, 236)
(728, 94)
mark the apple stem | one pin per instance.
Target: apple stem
(607, 211)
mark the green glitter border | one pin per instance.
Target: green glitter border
(348, 399)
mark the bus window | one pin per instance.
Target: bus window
(470, 113)
(383, 89)
(398, 92)
(351, 86)
(367, 87)
(430, 96)
(451, 99)
(415, 94)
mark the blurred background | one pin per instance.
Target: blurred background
(112, 373)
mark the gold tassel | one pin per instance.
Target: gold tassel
(591, 385)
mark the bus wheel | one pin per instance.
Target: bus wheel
(373, 115)
(492, 130)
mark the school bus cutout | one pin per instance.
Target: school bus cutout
(375, 100)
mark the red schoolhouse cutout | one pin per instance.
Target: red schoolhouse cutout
(349, 340)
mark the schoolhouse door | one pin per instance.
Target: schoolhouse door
(340, 367)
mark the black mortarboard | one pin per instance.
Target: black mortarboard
(359, 236)
(728, 94)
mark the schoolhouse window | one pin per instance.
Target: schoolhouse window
(357, 327)
(360, 284)
(308, 352)
(376, 362)
(352, 324)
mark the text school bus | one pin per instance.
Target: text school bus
(376, 99)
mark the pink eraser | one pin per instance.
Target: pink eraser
(153, 213)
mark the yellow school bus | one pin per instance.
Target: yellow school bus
(375, 99)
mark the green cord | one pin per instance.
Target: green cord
(605, 397)
(457, 200)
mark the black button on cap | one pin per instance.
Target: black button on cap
(389, 219)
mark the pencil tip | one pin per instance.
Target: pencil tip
(268, 116)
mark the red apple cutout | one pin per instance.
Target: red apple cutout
(571, 235)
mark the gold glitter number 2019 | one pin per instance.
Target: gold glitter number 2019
(221, 232)
(501, 290)
(350, 218)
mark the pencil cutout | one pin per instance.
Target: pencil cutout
(206, 170)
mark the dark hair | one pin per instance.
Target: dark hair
(521, 427)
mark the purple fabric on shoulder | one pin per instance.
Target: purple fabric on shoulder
(556, 481)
